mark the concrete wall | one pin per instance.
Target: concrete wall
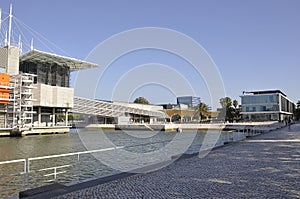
(53, 96)
(9, 59)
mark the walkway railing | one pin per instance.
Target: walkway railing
(9, 175)
(28, 172)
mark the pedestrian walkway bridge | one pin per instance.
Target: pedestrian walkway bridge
(113, 109)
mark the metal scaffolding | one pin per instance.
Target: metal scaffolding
(20, 108)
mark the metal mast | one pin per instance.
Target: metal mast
(0, 17)
(10, 23)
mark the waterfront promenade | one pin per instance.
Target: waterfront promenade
(264, 166)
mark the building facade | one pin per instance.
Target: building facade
(34, 88)
(189, 100)
(271, 105)
(52, 93)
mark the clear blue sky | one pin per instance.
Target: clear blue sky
(255, 43)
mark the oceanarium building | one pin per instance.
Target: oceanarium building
(271, 105)
(34, 87)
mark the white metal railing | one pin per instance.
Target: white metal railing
(55, 173)
(15, 161)
(22, 173)
(27, 170)
(71, 154)
(55, 169)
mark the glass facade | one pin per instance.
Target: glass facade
(260, 103)
(260, 99)
(286, 105)
(266, 107)
(189, 100)
(262, 117)
(50, 74)
(260, 108)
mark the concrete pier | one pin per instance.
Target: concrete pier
(242, 127)
(46, 130)
(34, 131)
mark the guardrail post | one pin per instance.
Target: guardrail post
(78, 167)
(25, 175)
(28, 173)
(54, 173)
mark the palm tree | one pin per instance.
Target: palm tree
(226, 102)
(202, 110)
(235, 103)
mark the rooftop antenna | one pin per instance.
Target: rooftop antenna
(20, 44)
(31, 45)
(9, 26)
(0, 17)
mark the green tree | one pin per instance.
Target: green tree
(230, 109)
(235, 104)
(202, 110)
(237, 111)
(141, 100)
(226, 102)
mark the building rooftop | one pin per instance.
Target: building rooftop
(37, 56)
(265, 92)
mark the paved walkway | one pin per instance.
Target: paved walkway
(265, 166)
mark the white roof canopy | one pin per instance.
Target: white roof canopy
(37, 56)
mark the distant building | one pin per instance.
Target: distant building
(175, 106)
(189, 100)
(270, 105)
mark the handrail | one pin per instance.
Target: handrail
(59, 167)
(13, 161)
(75, 153)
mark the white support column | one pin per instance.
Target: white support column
(10, 24)
(5, 120)
(66, 119)
(280, 108)
(53, 117)
(0, 18)
(39, 116)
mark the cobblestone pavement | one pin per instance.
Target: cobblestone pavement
(265, 166)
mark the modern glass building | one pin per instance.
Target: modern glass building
(189, 100)
(272, 105)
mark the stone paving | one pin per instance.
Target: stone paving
(264, 166)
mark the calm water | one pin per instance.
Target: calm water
(139, 148)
